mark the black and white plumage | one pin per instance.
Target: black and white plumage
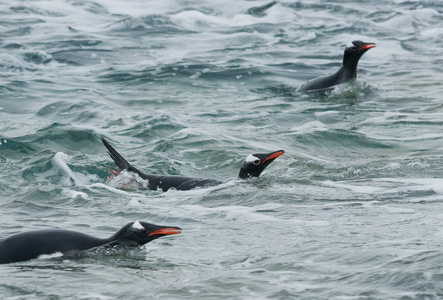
(253, 166)
(348, 71)
(32, 244)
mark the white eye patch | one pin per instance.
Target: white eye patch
(350, 45)
(251, 158)
(137, 225)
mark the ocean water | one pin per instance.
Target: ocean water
(352, 210)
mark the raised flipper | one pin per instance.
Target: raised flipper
(120, 161)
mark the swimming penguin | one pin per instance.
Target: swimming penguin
(253, 166)
(353, 52)
(32, 244)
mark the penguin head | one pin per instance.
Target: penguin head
(142, 232)
(254, 164)
(354, 51)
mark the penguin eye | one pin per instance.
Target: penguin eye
(143, 231)
(256, 162)
(353, 48)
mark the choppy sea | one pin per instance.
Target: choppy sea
(352, 210)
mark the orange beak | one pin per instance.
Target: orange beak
(367, 46)
(274, 155)
(166, 231)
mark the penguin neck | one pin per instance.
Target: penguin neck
(246, 175)
(349, 68)
(118, 238)
(243, 175)
(346, 73)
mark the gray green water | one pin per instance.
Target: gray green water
(352, 210)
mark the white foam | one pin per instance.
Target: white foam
(74, 194)
(433, 33)
(129, 181)
(137, 225)
(92, 295)
(59, 160)
(418, 184)
(309, 127)
(391, 185)
(109, 188)
(360, 188)
(329, 112)
(192, 18)
(49, 256)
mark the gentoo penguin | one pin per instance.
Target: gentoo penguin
(32, 244)
(348, 71)
(253, 166)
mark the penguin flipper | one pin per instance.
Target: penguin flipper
(119, 160)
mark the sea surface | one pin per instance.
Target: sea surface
(352, 210)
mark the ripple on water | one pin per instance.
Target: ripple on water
(350, 211)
